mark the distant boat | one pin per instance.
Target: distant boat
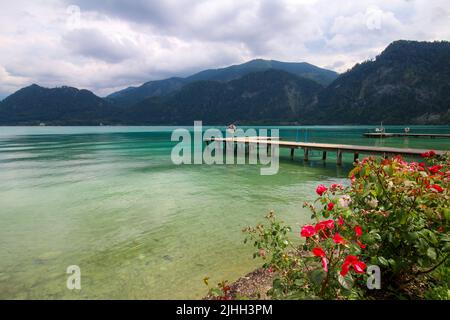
(380, 129)
(231, 128)
(407, 129)
(42, 124)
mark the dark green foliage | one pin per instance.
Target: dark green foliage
(132, 95)
(58, 106)
(408, 83)
(269, 96)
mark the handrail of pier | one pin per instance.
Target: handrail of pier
(325, 147)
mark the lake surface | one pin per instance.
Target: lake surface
(109, 200)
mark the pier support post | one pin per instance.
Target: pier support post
(324, 155)
(292, 154)
(306, 151)
(252, 147)
(355, 157)
(339, 158)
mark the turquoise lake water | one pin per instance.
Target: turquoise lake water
(109, 200)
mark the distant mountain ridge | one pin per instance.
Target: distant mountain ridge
(263, 97)
(132, 95)
(408, 83)
(301, 69)
(33, 105)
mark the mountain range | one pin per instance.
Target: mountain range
(407, 83)
(133, 95)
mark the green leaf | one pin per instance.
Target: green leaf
(383, 261)
(376, 236)
(317, 276)
(216, 292)
(392, 262)
(299, 282)
(403, 219)
(277, 284)
(388, 170)
(431, 253)
(413, 235)
(446, 247)
(345, 281)
(447, 213)
(433, 238)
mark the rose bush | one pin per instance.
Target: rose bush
(394, 214)
(406, 208)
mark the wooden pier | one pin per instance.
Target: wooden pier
(413, 135)
(339, 149)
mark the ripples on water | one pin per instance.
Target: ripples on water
(109, 200)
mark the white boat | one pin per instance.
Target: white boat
(380, 129)
(231, 128)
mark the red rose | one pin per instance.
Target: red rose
(358, 231)
(326, 224)
(359, 266)
(321, 189)
(330, 206)
(352, 262)
(308, 231)
(338, 239)
(318, 252)
(428, 154)
(360, 244)
(340, 221)
(435, 188)
(435, 168)
(336, 186)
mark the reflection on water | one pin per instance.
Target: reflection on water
(110, 201)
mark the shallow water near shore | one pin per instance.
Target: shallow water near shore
(109, 200)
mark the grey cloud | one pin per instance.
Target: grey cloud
(335, 65)
(158, 13)
(93, 43)
(252, 23)
(122, 43)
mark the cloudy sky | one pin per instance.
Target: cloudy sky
(105, 45)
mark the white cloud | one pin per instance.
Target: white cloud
(108, 45)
